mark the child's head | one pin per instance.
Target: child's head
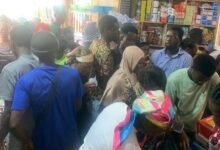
(153, 78)
(214, 105)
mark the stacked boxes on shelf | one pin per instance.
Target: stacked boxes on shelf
(208, 15)
(179, 12)
(215, 13)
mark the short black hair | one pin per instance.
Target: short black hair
(107, 22)
(205, 64)
(215, 96)
(128, 28)
(188, 43)
(153, 78)
(196, 35)
(179, 32)
(21, 35)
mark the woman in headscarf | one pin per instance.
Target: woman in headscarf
(125, 78)
(117, 125)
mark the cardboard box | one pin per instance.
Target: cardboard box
(215, 18)
(198, 21)
(209, 17)
(206, 127)
(198, 17)
(204, 22)
(214, 23)
(209, 22)
(204, 17)
(215, 6)
(215, 13)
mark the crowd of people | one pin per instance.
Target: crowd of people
(108, 92)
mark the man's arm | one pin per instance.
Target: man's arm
(4, 120)
(20, 104)
(16, 128)
(7, 84)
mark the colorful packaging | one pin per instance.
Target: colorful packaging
(206, 127)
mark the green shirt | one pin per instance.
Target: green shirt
(189, 98)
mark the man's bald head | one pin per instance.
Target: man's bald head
(44, 45)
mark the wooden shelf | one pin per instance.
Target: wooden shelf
(215, 29)
(181, 24)
(178, 24)
(209, 1)
(150, 22)
(199, 25)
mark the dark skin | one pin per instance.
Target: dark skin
(4, 124)
(112, 34)
(192, 51)
(141, 64)
(172, 43)
(128, 40)
(197, 77)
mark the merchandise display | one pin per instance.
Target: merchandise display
(187, 14)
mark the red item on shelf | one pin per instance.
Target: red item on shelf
(206, 127)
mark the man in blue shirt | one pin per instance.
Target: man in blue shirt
(54, 95)
(172, 57)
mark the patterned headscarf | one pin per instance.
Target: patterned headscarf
(156, 106)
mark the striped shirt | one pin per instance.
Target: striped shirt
(169, 64)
